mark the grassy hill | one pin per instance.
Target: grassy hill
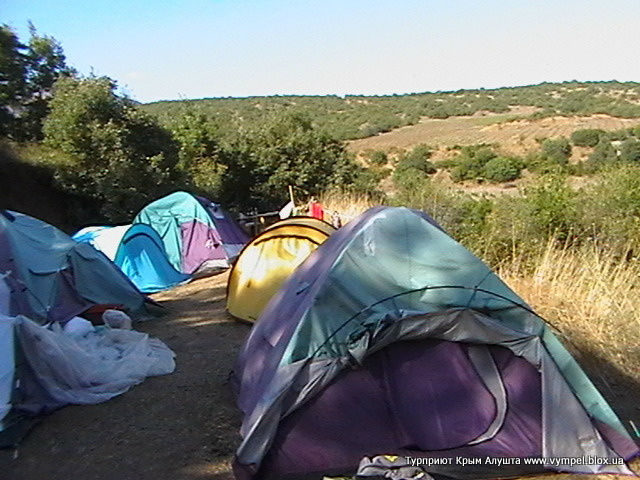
(353, 116)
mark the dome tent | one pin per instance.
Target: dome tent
(47, 279)
(451, 362)
(141, 256)
(197, 234)
(138, 251)
(268, 260)
(54, 278)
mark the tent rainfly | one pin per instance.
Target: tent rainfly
(197, 234)
(54, 278)
(268, 260)
(393, 339)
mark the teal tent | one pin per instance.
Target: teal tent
(54, 278)
(197, 234)
(391, 338)
(141, 256)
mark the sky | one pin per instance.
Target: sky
(170, 49)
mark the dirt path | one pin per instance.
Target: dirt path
(178, 426)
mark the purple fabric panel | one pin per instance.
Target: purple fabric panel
(428, 398)
(230, 232)
(67, 302)
(199, 244)
(621, 444)
(270, 335)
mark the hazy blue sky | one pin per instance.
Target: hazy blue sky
(204, 48)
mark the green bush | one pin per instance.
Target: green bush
(377, 157)
(610, 208)
(503, 169)
(557, 150)
(630, 150)
(603, 154)
(588, 137)
(417, 158)
(471, 162)
(117, 155)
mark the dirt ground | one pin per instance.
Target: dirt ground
(178, 426)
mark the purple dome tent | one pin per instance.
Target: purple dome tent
(393, 339)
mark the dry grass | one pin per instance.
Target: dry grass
(589, 294)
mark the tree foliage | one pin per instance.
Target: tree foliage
(27, 75)
(116, 154)
(288, 150)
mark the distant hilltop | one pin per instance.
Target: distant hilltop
(359, 116)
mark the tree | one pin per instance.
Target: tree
(46, 63)
(287, 150)
(201, 157)
(27, 75)
(13, 85)
(116, 154)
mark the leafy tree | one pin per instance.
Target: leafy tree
(116, 154)
(46, 63)
(13, 85)
(201, 157)
(288, 150)
(27, 75)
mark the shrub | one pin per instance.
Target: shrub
(117, 155)
(603, 154)
(630, 150)
(588, 137)
(557, 150)
(503, 169)
(471, 163)
(416, 160)
(377, 157)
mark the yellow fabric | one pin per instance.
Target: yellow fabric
(270, 258)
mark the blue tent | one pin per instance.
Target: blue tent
(54, 278)
(141, 256)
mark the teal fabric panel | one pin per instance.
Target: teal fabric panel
(142, 258)
(397, 265)
(166, 215)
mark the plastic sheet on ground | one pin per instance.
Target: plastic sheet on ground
(94, 367)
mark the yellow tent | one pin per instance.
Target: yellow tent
(268, 260)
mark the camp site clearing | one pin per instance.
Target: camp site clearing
(172, 427)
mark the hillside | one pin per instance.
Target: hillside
(516, 133)
(353, 117)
